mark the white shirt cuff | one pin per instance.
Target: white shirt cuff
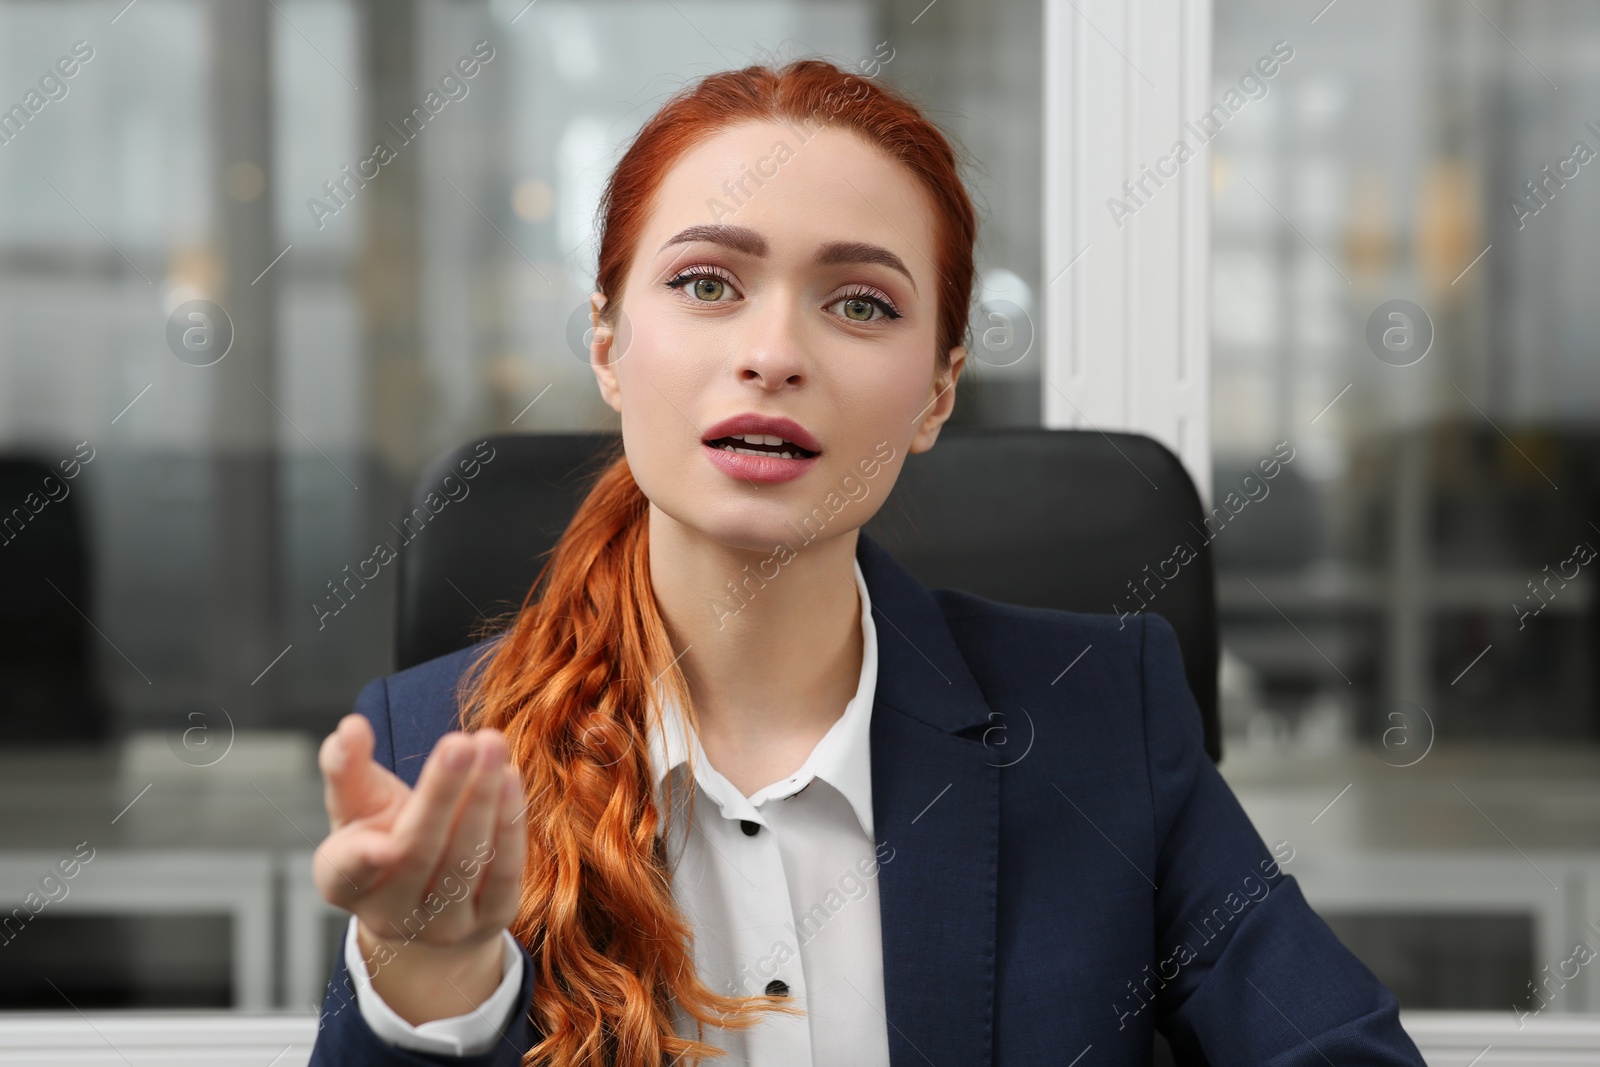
(460, 1035)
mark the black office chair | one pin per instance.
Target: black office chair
(49, 692)
(1071, 519)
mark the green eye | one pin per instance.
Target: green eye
(859, 310)
(704, 286)
(865, 307)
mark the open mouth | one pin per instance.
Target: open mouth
(761, 444)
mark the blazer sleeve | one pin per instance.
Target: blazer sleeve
(1248, 974)
(343, 1037)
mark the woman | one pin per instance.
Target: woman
(714, 794)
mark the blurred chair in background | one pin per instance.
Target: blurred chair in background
(1069, 519)
(48, 687)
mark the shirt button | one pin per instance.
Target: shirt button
(750, 829)
(777, 988)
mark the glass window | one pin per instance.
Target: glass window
(247, 329)
(1403, 277)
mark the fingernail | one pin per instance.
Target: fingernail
(458, 757)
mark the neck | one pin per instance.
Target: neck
(772, 661)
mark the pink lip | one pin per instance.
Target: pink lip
(766, 469)
(777, 426)
(769, 469)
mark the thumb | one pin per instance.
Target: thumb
(355, 786)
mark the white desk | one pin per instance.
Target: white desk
(1463, 830)
(157, 1039)
(224, 1039)
(162, 882)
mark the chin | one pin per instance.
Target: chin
(746, 526)
(749, 533)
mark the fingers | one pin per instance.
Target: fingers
(424, 825)
(354, 784)
(500, 886)
(459, 835)
(471, 848)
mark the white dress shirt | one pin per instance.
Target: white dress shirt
(795, 902)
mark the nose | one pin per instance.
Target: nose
(775, 355)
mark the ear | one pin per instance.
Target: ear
(941, 402)
(600, 352)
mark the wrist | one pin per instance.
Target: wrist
(422, 982)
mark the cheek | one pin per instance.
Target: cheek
(879, 408)
(903, 388)
(661, 378)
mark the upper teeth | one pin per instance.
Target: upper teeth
(788, 449)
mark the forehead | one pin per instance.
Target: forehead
(798, 191)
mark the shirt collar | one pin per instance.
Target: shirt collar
(842, 758)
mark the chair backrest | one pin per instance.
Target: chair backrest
(48, 686)
(1071, 519)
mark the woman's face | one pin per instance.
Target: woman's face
(809, 297)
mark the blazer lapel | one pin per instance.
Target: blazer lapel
(936, 812)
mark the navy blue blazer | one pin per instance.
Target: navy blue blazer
(1069, 869)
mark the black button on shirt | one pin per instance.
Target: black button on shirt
(777, 988)
(751, 829)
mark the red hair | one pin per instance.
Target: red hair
(573, 680)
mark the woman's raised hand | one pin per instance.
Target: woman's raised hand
(432, 874)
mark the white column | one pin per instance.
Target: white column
(1126, 332)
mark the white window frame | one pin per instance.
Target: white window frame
(1127, 317)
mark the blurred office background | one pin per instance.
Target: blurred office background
(1409, 645)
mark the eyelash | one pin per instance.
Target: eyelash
(873, 296)
(883, 302)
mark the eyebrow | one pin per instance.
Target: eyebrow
(744, 239)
